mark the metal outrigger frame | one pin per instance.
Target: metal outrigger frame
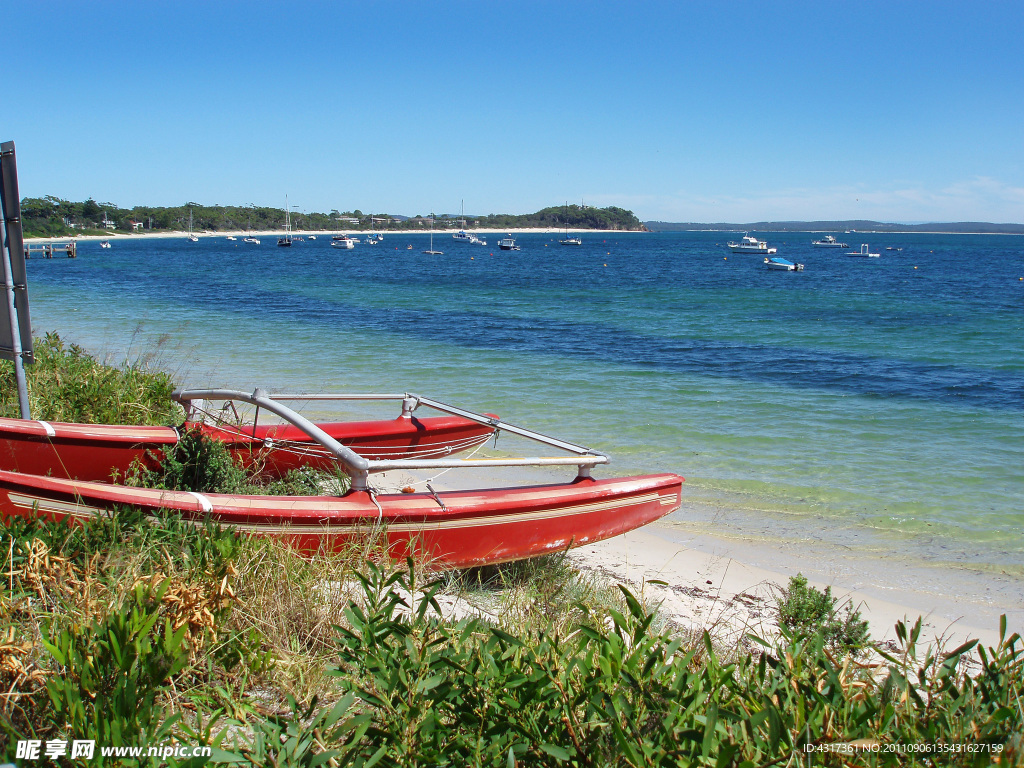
(359, 468)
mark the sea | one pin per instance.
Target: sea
(872, 406)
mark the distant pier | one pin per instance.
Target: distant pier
(47, 250)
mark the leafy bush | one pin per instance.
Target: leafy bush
(66, 384)
(805, 610)
(201, 463)
(615, 692)
(196, 463)
(111, 672)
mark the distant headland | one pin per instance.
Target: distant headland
(54, 217)
(853, 225)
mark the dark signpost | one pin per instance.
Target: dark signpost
(15, 324)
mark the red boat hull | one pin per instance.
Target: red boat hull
(97, 451)
(471, 528)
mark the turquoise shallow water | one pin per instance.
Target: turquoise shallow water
(874, 401)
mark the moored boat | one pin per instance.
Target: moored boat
(343, 241)
(574, 240)
(864, 252)
(508, 244)
(828, 241)
(784, 265)
(286, 241)
(750, 244)
(431, 251)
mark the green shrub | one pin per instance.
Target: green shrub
(203, 464)
(112, 671)
(196, 463)
(66, 384)
(805, 610)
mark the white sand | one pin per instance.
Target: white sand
(728, 585)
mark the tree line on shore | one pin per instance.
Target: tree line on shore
(54, 217)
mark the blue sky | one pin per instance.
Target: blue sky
(679, 111)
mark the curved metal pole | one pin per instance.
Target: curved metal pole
(355, 465)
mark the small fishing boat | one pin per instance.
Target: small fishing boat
(783, 264)
(455, 529)
(864, 252)
(343, 241)
(828, 241)
(750, 244)
(508, 244)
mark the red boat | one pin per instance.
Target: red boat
(454, 529)
(95, 451)
(458, 529)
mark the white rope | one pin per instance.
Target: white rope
(449, 469)
(377, 525)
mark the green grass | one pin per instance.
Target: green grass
(131, 630)
(66, 384)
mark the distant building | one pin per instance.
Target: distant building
(136, 225)
(107, 223)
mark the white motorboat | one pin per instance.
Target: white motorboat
(343, 241)
(508, 244)
(232, 237)
(828, 242)
(464, 237)
(104, 244)
(783, 264)
(251, 239)
(750, 244)
(864, 252)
